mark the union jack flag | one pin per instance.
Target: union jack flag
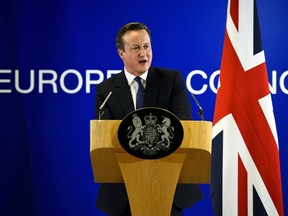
(245, 170)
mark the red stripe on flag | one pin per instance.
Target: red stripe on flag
(242, 188)
(234, 12)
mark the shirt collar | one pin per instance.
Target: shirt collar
(130, 77)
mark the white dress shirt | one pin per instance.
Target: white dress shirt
(134, 85)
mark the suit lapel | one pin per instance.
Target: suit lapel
(122, 91)
(152, 88)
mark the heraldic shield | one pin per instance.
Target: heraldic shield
(150, 133)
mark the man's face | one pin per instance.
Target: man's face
(137, 56)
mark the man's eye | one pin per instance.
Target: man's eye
(146, 47)
(135, 49)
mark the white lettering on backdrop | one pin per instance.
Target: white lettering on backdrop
(72, 81)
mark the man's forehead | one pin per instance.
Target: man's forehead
(140, 35)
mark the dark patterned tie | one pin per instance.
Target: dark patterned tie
(140, 93)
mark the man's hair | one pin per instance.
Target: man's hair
(134, 26)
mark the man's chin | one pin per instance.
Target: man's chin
(144, 67)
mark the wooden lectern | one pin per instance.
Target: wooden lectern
(150, 184)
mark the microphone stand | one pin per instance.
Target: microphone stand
(101, 111)
(200, 111)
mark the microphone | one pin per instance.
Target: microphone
(200, 111)
(101, 112)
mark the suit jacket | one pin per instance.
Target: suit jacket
(165, 89)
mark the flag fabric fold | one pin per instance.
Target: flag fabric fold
(245, 169)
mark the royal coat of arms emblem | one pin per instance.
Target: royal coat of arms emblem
(150, 133)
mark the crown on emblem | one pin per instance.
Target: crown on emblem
(150, 120)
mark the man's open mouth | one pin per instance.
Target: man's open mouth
(144, 61)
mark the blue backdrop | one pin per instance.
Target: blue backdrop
(53, 52)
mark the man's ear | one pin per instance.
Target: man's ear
(121, 54)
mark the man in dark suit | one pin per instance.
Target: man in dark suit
(163, 88)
